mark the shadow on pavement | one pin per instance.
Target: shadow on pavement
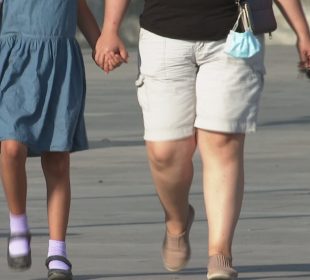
(302, 120)
(107, 143)
(159, 222)
(37, 234)
(292, 271)
(298, 270)
(203, 220)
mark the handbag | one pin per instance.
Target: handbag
(258, 15)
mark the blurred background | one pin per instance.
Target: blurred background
(130, 27)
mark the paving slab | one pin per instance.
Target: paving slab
(116, 225)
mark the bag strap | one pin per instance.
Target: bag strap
(242, 15)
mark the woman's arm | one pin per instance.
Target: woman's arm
(110, 49)
(114, 14)
(87, 24)
(294, 14)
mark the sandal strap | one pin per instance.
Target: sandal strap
(26, 235)
(58, 258)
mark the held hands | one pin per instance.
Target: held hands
(110, 52)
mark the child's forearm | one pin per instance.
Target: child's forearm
(294, 14)
(114, 13)
(87, 24)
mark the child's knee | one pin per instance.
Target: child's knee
(56, 163)
(13, 150)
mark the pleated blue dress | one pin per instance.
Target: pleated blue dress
(42, 77)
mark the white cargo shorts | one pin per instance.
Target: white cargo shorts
(184, 85)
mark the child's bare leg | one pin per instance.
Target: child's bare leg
(56, 168)
(13, 174)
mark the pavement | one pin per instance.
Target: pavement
(116, 225)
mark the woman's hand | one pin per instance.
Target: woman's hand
(303, 46)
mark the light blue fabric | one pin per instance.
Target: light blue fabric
(42, 79)
(242, 45)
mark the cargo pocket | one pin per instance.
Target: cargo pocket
(141, 92)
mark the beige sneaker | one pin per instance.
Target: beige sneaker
(176, 249)
(220, 268)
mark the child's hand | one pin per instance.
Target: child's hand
(112, 61)
(110, 52)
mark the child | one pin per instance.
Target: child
(42, 95)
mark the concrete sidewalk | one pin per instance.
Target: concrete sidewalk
(116, 225)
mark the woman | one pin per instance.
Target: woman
(193, 94)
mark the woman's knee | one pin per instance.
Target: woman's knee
(165, 154)
(221, 144)
(227, 140)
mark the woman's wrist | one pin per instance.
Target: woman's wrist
(303, 36)
(110, 27)
(302, 29)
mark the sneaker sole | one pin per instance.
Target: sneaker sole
(220, 276)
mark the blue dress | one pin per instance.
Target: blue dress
(42, 77)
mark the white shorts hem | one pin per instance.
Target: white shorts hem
(226, 126)
(168, 135)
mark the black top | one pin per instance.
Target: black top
(189, 19)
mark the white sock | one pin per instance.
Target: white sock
(57, 248)
(19, 225)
